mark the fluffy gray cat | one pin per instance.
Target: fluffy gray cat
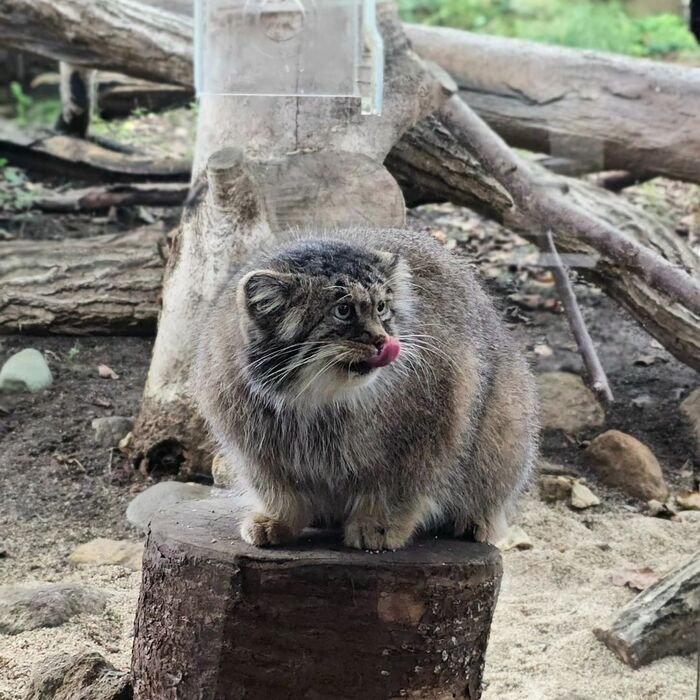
(365, 378)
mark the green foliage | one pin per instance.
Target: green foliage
(16, 192)
(29, 111)
(73, 353)
(592, 24)
(22, 102)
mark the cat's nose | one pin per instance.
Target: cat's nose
(387, 351)
(379, 343)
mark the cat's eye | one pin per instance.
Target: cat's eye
(381, 307)
(343, 312)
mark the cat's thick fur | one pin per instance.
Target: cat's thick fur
(298, 378)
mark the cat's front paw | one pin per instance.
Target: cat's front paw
(368, 533)
(262, 531)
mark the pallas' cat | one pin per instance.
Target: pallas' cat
(364, 378)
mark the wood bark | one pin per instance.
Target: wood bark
(219, 619)
(94, 199)
(605, 111)
(661, 621)
(104, 284)
(71, 157)
(102, 34)
(445, 169)
(449, 171)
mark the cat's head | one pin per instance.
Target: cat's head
(322, 320)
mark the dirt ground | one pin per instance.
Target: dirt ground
(58, 489)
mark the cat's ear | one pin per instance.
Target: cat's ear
(389, 260)
(263, 292)
(398, 271)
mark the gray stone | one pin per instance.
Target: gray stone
(160, 496)
(106, 552)
(25, 371)
(567, 404)
(31, 606)
(110, 431)
(82, 676)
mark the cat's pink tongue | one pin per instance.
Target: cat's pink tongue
(388, 354)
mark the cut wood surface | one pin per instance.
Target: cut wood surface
(104, 284)
(71, 157)
(220, 619)
(661, 621)
(606, 111)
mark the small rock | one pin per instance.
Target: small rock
(688, 500)
(642, 401)
(111, 430)
(582, 497)
(160, 496)
(82, 676)
(567, 404)
(690, 408)
(543, 350)
(106, 552)
(107, 372)
(25, 371)
(620, 460)
(26, 607)
(125, 442)
(656, 509)
(639, 578)
(515, 538)
(555, 488)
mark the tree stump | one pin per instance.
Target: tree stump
(219, 619)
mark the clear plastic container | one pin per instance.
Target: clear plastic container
(305, 48)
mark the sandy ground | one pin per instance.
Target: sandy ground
(554, 595)
(542, 644)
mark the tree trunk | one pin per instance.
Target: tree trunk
(661, 621)
(316, 164)
(219, 619)
(607, 112)
(105, 284)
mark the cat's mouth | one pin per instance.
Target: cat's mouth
(387, 353)
(362, 368)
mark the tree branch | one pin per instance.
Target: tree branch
(545, 209)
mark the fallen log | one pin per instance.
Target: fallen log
(432, 158)
(438, 165)
(431, 166)
(605, 111)
(102, 34)
(93, 199)
(219, 619)
(608, 112)
(661, 621)
(71, 157)
(100, 285)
